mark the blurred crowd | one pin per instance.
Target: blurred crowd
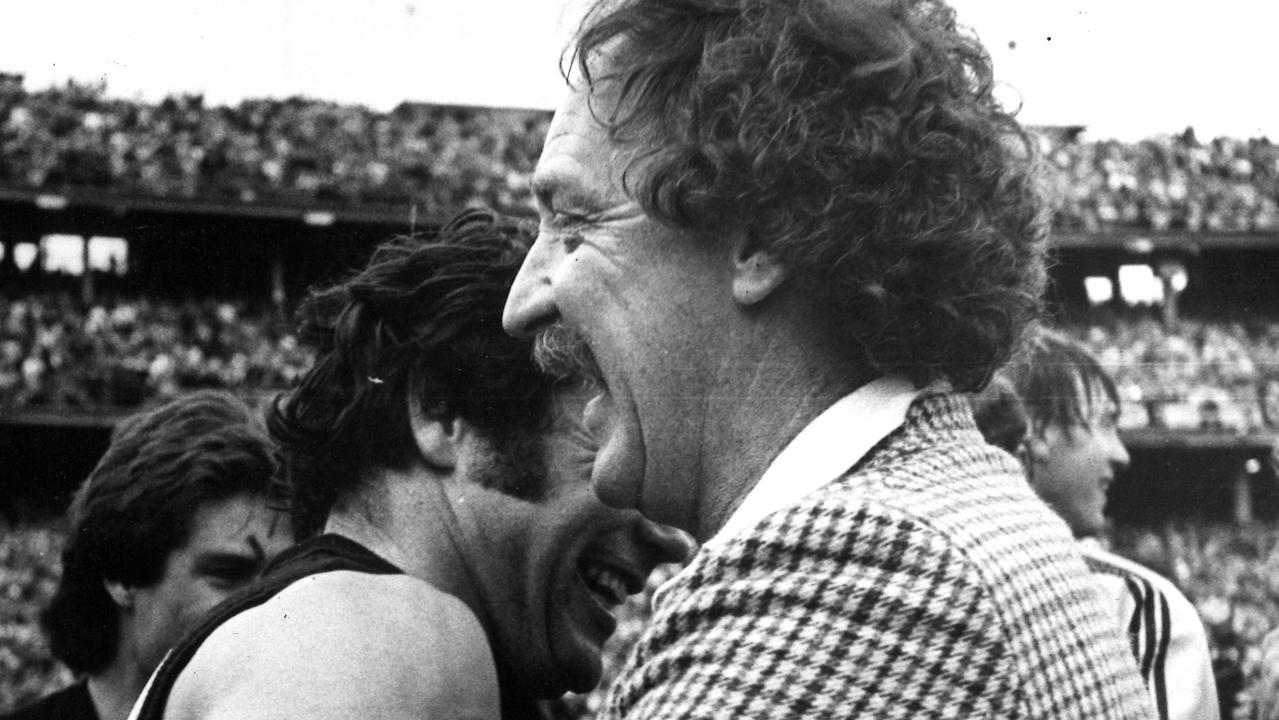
(1192, 375)
(30, 562)
(1168, 182)
(294, 150)
(445, 158)
(56, 352)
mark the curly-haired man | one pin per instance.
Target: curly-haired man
(787, 231)
(173, 520)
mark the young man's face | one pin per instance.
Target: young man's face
(1072, 468)
(550, 571)
(231, 541)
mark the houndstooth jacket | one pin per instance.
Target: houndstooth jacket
(927, 582)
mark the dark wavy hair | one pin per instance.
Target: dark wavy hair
(136, 507)
(1058, 380)
(859, 141)
(1001, 415)
(423, 319)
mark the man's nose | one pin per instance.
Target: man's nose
(1119, 458)
(530, 303)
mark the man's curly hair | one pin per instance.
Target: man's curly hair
(421, 320)
(859, 141)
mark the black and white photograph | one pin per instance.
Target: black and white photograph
(639, 360)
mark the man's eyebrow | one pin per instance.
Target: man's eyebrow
(255, 554)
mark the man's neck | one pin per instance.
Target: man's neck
(115, 689)
(406, 519)
(787, 389)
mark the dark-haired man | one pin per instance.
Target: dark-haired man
(786, 230)
(172, 521)
(465, 569)
(1057, 410)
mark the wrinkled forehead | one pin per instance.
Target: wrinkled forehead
(579, 156)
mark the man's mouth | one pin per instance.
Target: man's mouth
(610, 584)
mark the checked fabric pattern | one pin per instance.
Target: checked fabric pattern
(929, 582)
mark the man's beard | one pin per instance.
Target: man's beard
(562, 353)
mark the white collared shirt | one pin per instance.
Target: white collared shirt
(824, 450)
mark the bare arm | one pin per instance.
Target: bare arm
(343, 645)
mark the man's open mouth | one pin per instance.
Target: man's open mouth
(609, 583)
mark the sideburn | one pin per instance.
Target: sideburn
(518, 466)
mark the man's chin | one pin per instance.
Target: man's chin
(579, 666)
(587, 678)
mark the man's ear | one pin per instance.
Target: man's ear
(122, 595)
(757, 272)
(437, 436)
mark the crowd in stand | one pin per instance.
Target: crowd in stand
(301, 150)
(55, 352)
(1168, 182)
(1196, 374)
(295, 150)
(117, 353)
(29, 570)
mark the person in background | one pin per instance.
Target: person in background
(786, 231)
(464, 570)
(1057, 410)
(173, 520)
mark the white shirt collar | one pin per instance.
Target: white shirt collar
(824, 450)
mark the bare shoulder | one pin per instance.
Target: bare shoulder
(344, 644)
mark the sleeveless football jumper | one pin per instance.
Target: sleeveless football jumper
(325, 553)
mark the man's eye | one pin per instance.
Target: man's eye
(231, 574)
(572, 241)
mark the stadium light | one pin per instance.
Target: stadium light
(1100, 289)
(319, 219)
(1139, 286)
(51, 202)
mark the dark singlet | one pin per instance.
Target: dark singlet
(326, 553)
